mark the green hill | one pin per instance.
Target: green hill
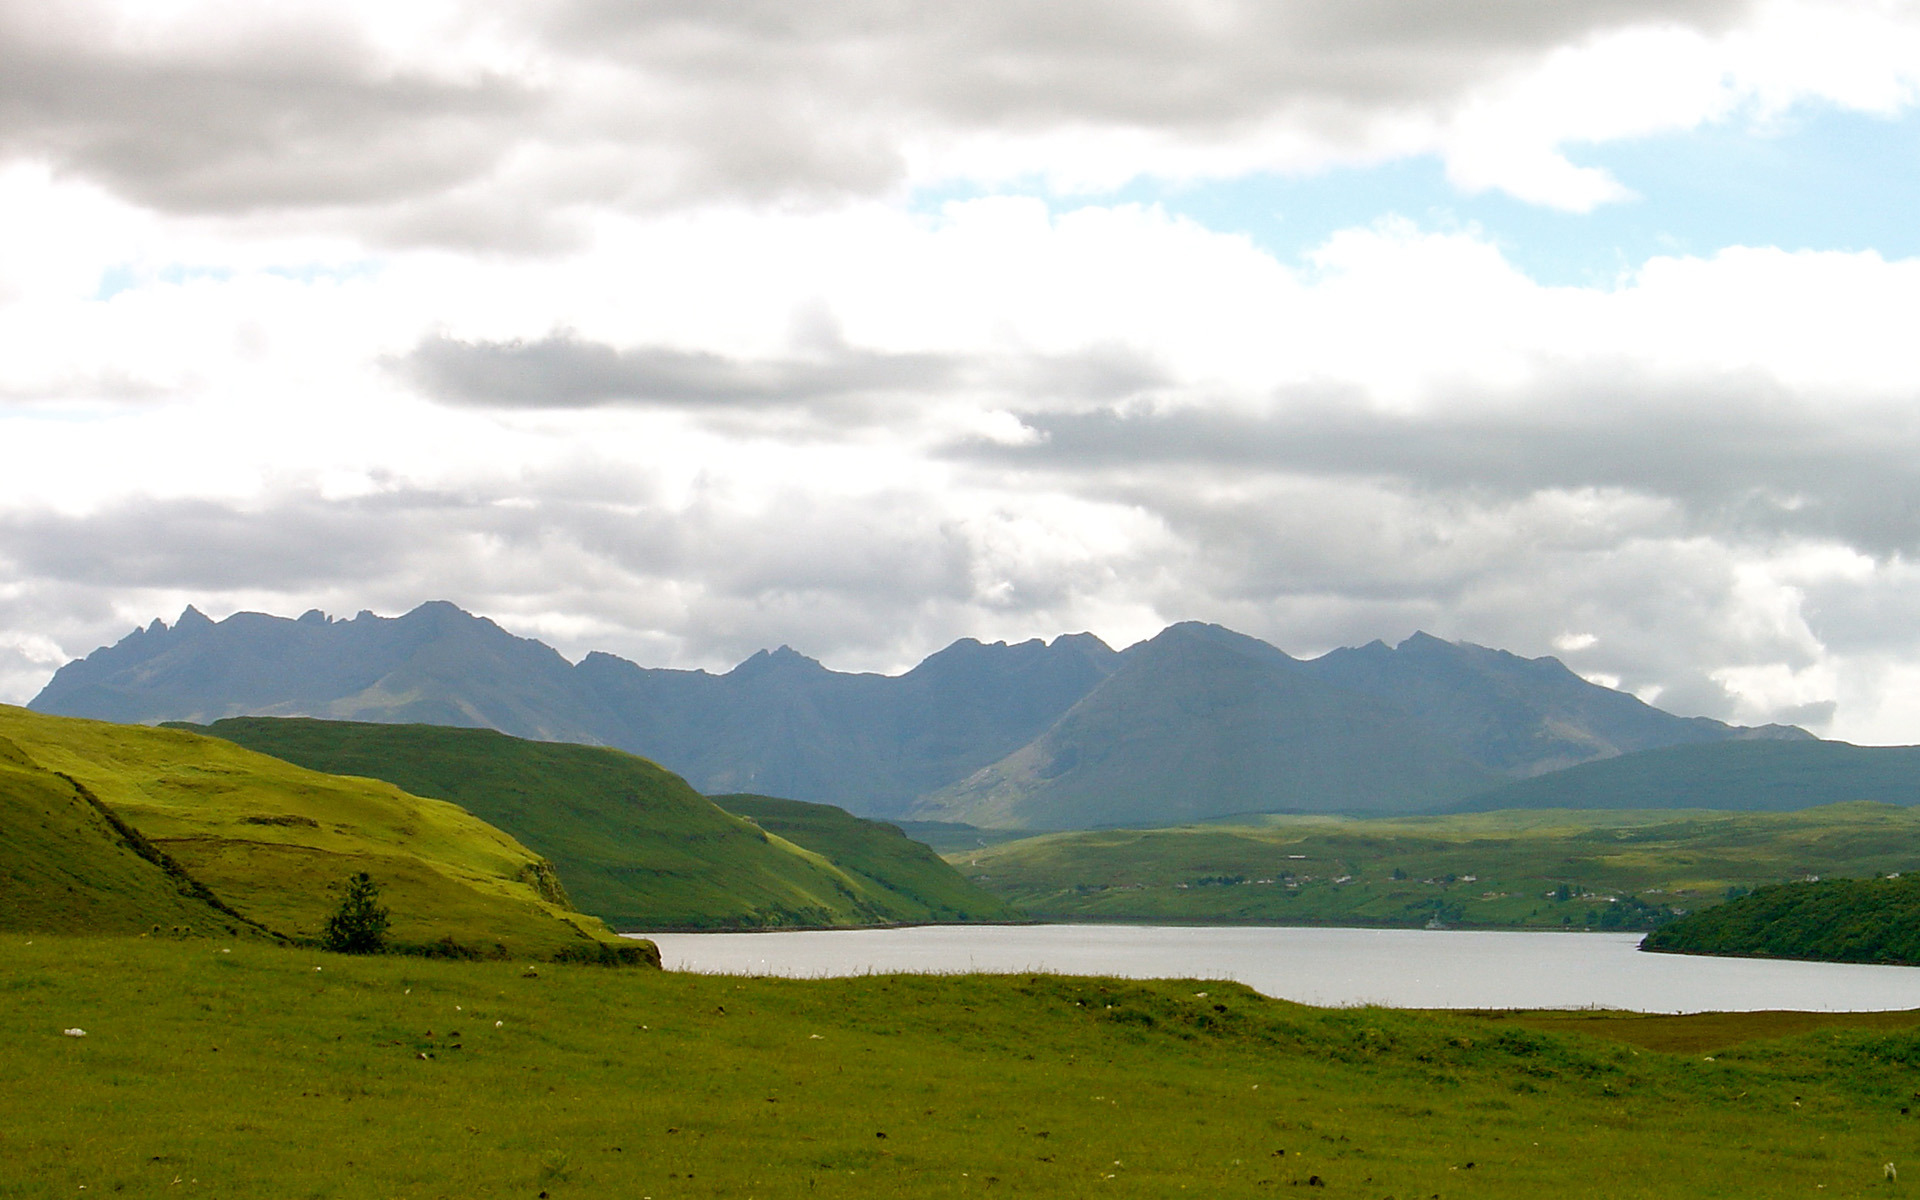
(1621, 869)
(1831, 920)
(916, 883)
(269, 839)
(1770, 776)
(69, 866)
(634, 843)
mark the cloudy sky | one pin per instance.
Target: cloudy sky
(679, 328)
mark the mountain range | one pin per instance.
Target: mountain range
(1193, 723)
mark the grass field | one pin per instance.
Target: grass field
(219, 1069)
(1522, 868)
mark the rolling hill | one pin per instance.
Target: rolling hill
(915, 883)
(633, 843)
(267, 841)
(1827, 920)
(1614, 869)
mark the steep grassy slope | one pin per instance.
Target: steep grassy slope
(894, 872)
(67, 866)
(1767, 775)
(1832, 920)
(390, 1077)
(272, 840)
(1202, 722)
(1606, 869)
(633, 842)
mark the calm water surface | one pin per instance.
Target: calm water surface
(1404, 968)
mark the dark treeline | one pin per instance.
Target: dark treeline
(1834, 920)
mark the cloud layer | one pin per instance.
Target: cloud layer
(640, 327)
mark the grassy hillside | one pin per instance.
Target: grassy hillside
(633, 843)
(66, 866)
(1759, 776)
(251, 1074)
(273, 840)
(1832, 920)
(894, 871)
(1608, 869)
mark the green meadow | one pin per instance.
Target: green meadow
(1614, 869)
(220, 1068)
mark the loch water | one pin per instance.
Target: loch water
(1401, 968)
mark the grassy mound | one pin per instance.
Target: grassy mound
(635, 844)
(1831, 920)
(1541, 868)
(252, 1073)
(273, 841)
(892, 871)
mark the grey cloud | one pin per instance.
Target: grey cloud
(879, 580)
(654, 104)
(1735, 452)
(268, 117)
(1145, 63)
(562, 371)
(565, 371)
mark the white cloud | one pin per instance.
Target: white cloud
(261, 285)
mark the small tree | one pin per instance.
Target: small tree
(359, 925)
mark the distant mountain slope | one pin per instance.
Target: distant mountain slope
(272, 840)
(1202, 722)
(781, 723)
(1370, 729)
(1765, 775)
(437, 665)
(632, 842)
(66, 867)
(914, 882)
(778, 723)
(1522, 716)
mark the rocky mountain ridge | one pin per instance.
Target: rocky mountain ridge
(1196, 722)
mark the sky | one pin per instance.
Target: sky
(679, 329)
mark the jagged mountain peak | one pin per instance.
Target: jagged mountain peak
(783, 661)
(1248, 720)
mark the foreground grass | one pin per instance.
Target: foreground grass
(246, 1071)
(1508, 869)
